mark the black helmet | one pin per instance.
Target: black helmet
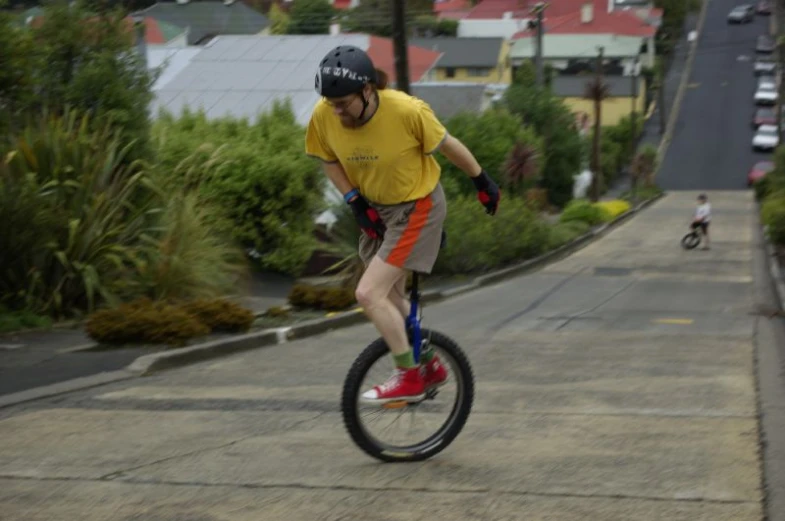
(343, 71)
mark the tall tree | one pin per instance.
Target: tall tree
(311, 17)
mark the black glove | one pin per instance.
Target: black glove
(487, 192)
(367, 217)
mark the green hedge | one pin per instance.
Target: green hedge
(479, 242)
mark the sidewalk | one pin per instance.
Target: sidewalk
(31, 359)
(651, 127)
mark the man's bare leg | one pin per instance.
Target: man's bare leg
(373, 294)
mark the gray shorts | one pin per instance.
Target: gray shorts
(413, 236)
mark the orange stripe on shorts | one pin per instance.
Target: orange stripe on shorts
(417, 220)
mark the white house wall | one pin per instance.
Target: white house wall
(495, 28)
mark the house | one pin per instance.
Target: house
(571, 41)
(482, 60)
(625, 93)
(450, 98)
(242, 76)
(451, 9)
(500, 18)
(207, 19)
(156, 32)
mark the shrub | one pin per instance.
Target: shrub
(81, 55)
(562, 146)
(16, 320)
(563, 232)
(192, 255)
(337, 299)
(491, 136)
(144, 322)
(478, 242)
(94, 211)
(583, 210)
(773, 216)
(303, 296)
(321, 297)
(220, 315)
(259, 178)
(614, 208)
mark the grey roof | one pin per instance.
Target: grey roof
(448, 99)
(241, 76)
(575, 86)
(209, 18)
(462, 52)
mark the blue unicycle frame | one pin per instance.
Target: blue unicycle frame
(413, 320)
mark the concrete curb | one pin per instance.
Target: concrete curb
(674, 115)
(774, 271)
(148, 364)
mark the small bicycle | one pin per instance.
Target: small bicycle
(364, 421)
(692, 239)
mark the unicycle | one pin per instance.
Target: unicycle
(691, 240)
(433, 422)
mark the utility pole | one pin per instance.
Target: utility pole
(633, 123)
(399, 46)
(539, 10)
(661, 99)
(596, 170)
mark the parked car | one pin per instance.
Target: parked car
(766, 94)
(766, 138)
(765, 44)
(767, 81)
(763, 7)
(759, 171)
(764, 116)
(741, 14)
(764, 65)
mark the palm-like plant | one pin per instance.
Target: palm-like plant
(521, 165)
(597, 91)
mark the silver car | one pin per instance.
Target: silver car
(742, 14)
(764, 66)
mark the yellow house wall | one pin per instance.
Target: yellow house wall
(613, 109)
(502, 73)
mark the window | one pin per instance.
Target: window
(450, 72)
(477, 71)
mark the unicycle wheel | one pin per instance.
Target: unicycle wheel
(690, 241)
(434, 421)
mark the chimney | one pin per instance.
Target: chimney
(587, 12)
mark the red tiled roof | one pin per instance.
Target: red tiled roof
(153, 33)
(495, 9)
(342, 4)
(445, 6)
(620, 23)
(421, 60)
(453, 15)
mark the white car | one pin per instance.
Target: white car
(767, 81)
(766, 94)
(766, 138)
(764, 66)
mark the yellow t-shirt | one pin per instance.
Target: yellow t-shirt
(388, 158)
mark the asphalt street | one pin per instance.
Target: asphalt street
(616, 384)
(711, 147)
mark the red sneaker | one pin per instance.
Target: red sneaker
(435, 373)
(404, 384)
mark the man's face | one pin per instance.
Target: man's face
(348, 108)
